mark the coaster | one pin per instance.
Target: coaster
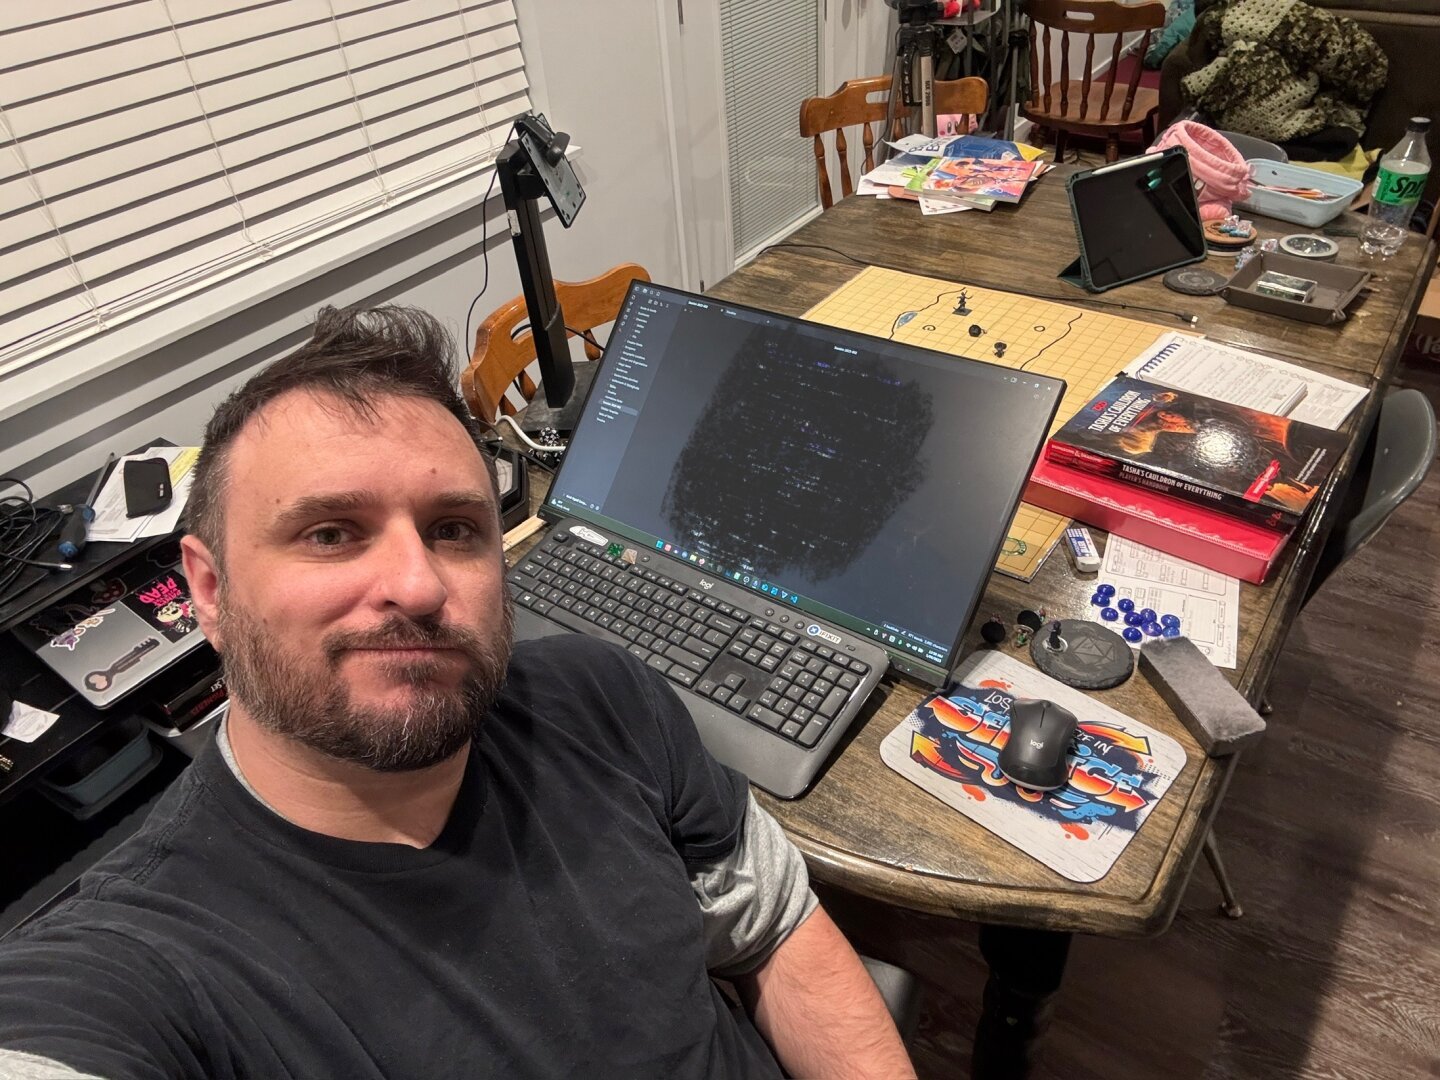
(1226, 241)
(1195, 281)
(1090, 656)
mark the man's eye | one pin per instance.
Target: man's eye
(455, 532)
(326, 536)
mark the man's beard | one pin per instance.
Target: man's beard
(316, 709)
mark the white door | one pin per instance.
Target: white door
(738, 71)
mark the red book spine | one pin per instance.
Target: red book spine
(1199, 535)
(1075, 457)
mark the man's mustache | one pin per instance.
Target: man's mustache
(399, 632)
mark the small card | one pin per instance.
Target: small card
(27, 723)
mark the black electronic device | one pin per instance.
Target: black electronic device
(1133, 219)
(147, 486)
(512, 478)
(1034, 755)
(848, 491)
(532, 165)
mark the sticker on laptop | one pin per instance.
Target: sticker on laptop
(165, 604)
(589, 535)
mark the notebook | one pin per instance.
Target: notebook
(108, 637)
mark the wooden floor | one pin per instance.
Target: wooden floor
(1331, 832)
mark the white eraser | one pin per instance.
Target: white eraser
(1082, 549)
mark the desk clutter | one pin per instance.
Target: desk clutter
(1118, 768)
(948, 175)
(1264, 429)
(1039, 337)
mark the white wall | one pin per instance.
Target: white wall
(595, 73)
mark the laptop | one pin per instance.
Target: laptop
(108, 637)
(772, 513)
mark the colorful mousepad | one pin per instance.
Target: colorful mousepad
(1119, 767)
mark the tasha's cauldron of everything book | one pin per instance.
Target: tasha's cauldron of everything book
(1261, 468)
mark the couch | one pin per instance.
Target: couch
(1408, 31)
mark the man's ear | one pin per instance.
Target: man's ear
(203, 573)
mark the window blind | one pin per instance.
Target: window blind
(770, 57)
(151, 148)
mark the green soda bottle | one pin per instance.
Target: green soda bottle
(1398, 188)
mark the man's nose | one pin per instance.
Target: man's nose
(407, 579)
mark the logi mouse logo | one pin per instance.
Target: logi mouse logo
(824, 635)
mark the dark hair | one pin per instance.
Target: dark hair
(355, 354)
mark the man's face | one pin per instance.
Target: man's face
(362, 608)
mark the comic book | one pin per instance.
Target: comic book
(993, 179)
(1261, 468)
(1119, 768)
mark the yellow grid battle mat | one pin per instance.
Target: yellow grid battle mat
(1084, 348)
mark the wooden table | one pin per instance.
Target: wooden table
(865, 829)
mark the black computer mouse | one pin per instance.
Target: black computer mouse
(1035, 755)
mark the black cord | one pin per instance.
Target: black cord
(25, 527)
(484, 249)
(1184, 316)
(484, 254)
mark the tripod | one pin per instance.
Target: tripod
(914, 73)
(998, 56)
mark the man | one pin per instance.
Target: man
(410, 852)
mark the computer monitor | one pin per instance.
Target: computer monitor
(856, 479)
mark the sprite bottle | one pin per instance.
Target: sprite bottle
(1403, 171)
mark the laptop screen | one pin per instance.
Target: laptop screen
(855, 479)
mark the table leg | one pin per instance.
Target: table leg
(1025, 971)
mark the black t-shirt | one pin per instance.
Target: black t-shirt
(549, 931)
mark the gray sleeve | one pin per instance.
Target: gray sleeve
(15, 1065)
(752, 898)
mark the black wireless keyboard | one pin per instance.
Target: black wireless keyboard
(771, 689)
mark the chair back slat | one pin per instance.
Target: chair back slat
(852, 104)
(1045, 48)
(1135, 75)
(1089, 67)
(1065, 71)
(1110, 78)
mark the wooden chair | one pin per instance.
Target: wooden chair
(866, 102)
(1082, 106)
(501, 356)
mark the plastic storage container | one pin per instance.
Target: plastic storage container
(1313, 212)
(92, 779)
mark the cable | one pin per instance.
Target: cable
(1183, 316)
(484, 254)
(25, 527)
(484, 249)
(503, 419)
